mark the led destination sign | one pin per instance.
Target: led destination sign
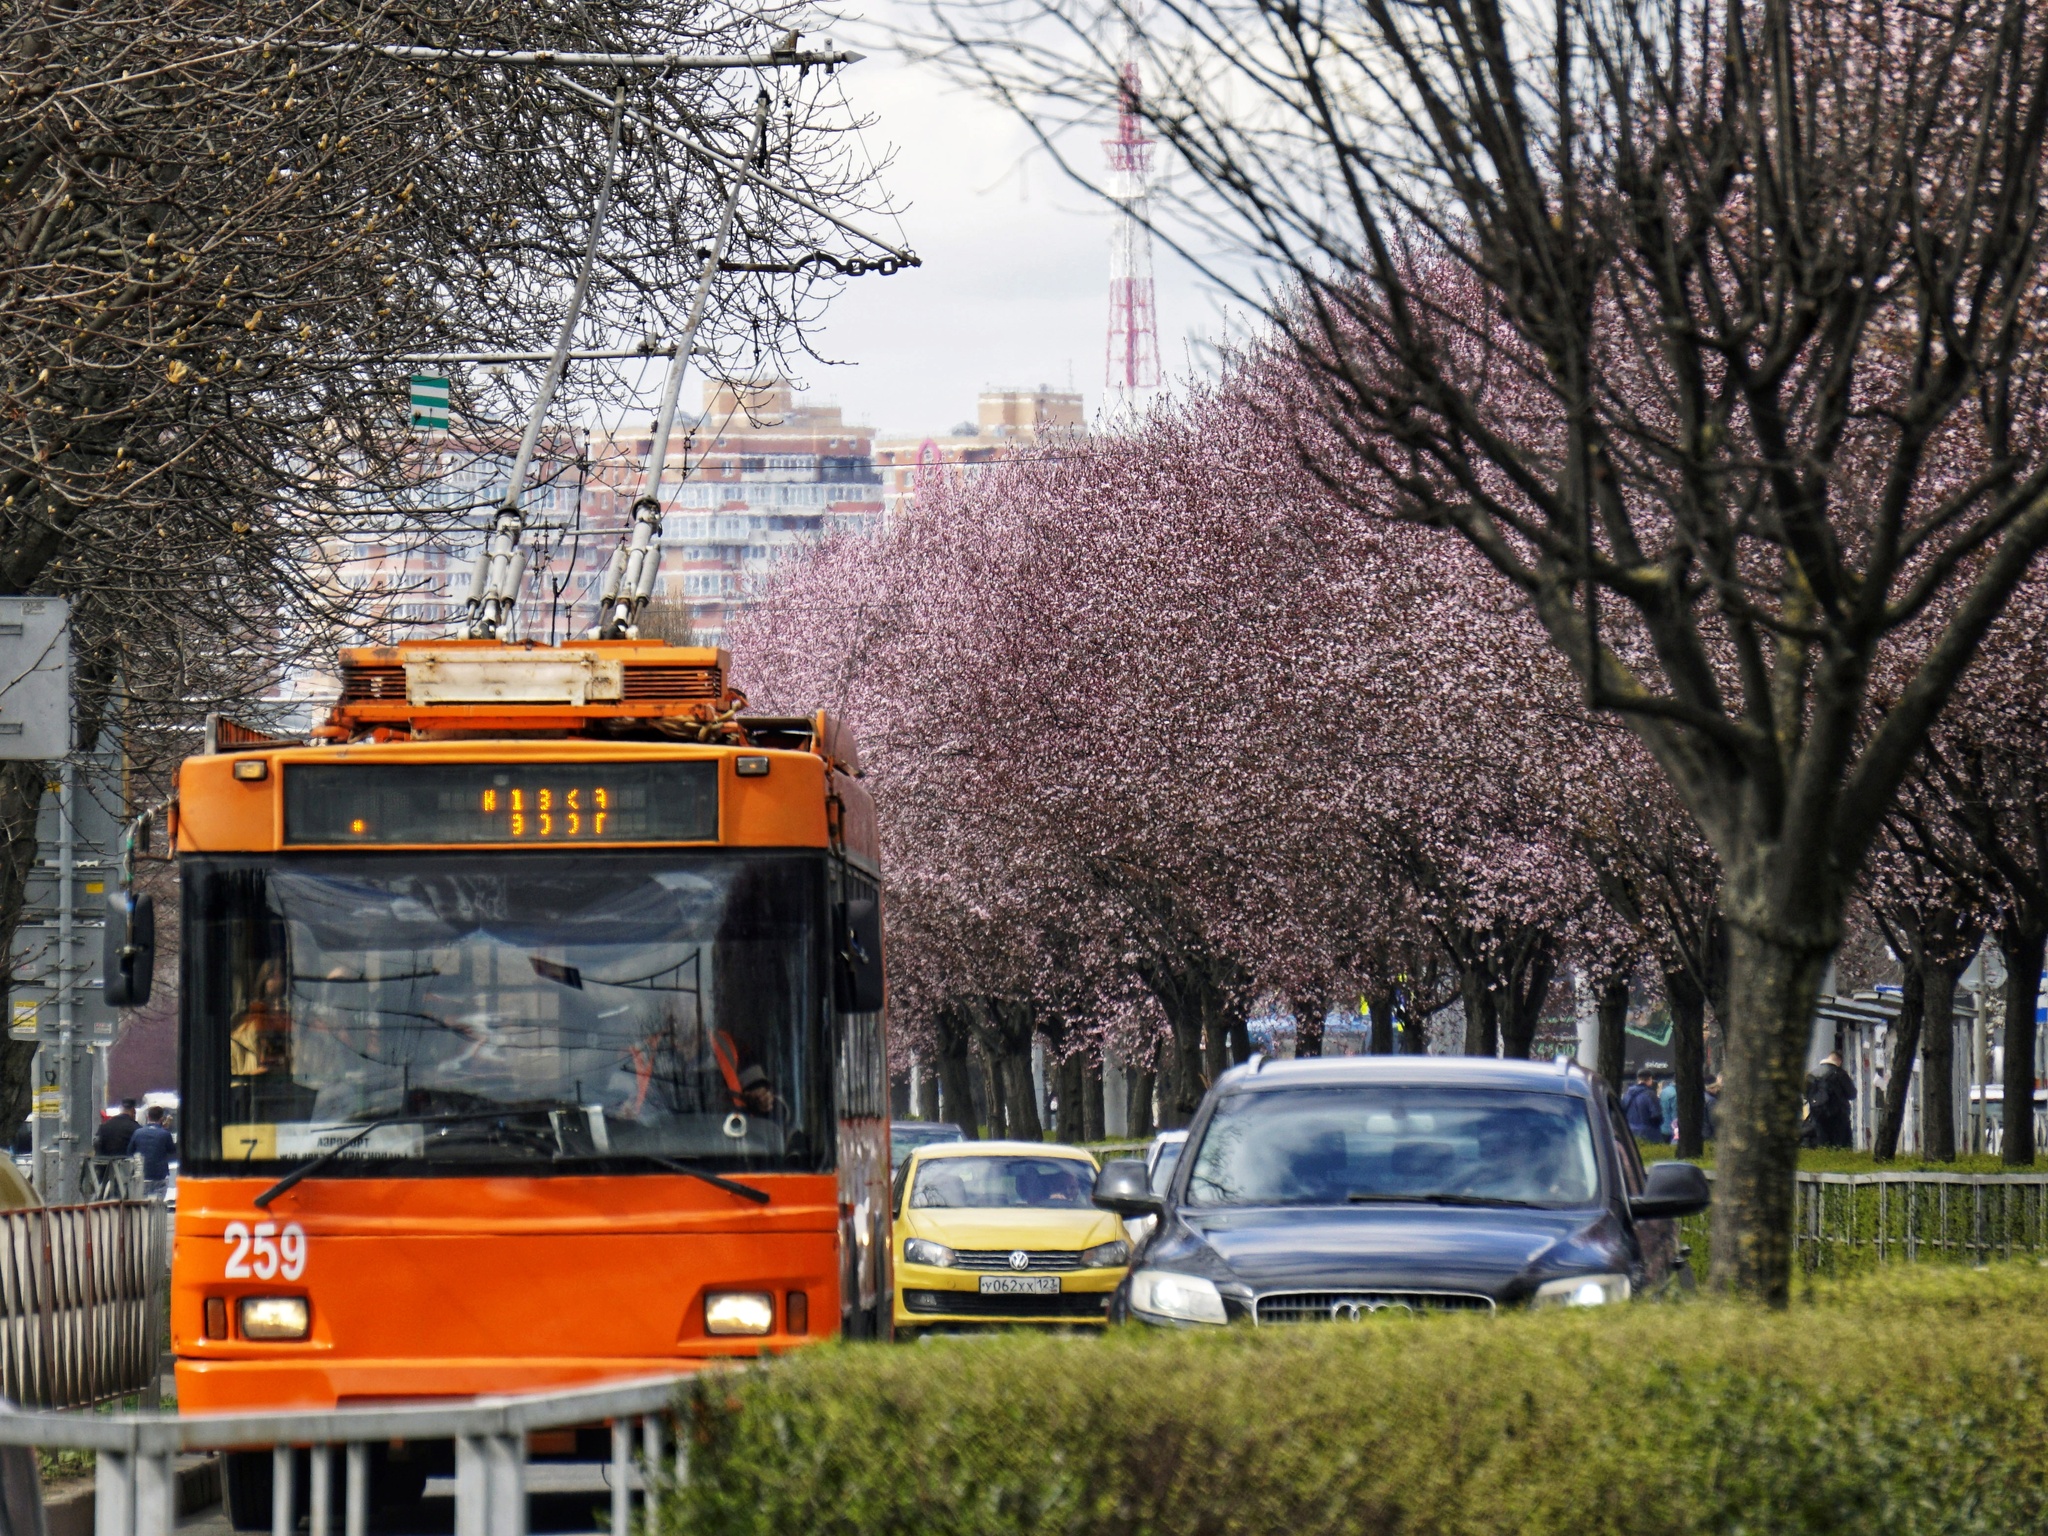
(554, 803)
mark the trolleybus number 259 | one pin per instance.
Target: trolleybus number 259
(265, 1253)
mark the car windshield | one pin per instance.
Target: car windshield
(995, 1183)
(1366, 1144)
(542, 1008)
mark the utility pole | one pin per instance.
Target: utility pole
(1133, 317)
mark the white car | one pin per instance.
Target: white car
(1161, 1158)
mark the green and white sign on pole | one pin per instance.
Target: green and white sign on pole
(429, 403)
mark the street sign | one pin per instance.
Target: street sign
(35, 678)
(429, 402)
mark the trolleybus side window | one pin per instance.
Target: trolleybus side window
(538, 1009)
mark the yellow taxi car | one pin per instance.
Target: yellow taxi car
(1002, 1233)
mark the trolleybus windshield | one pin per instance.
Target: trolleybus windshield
(649, 1004)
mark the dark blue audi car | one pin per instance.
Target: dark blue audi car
(1333, 1188)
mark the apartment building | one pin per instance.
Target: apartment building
(1006, 420)
(749, 484)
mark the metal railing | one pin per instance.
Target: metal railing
(81, 1301)
(1848, 1221)
(1847, 1218)
(135, 1491)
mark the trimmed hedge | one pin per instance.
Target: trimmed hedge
(1912, 1402)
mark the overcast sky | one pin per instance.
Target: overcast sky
(1014, 289)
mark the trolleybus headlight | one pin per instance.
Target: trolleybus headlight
(739, 1312)
(919, 1250)
(275, 1317)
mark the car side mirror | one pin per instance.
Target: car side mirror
(130, 954)
(1123, 1186)
(857, 985)
(1672, 1189)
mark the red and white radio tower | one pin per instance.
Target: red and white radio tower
(1133, 323)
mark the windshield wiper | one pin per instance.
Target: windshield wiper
(1370, 1197)
(717, 1181)
(431, 1117)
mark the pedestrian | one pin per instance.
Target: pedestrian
(1707, 1120)
(1830, 1098)
(1639, 1107)
(156, 1146)
(115, 1132)
(1667, 1106)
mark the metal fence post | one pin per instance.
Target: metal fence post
(355, 1516)
(320, 1490)
(134, 1493)
(284, 1514)
(490, 1484)
(622, 1477)
(113, 1494)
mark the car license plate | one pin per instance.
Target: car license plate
(1020, 1285)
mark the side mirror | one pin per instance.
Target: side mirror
(1124, 1187)
(1673, 1189)
(130, 955)
(857, 982)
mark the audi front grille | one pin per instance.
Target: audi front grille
(1356, 1306)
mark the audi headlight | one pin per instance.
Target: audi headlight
(1582, 1291)
(1183, 1298)
(918, 1250)
(1106, 1255)
(275, 1317)
(739, 1312)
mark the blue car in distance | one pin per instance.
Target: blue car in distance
(906, 1136)
(1331, 1189)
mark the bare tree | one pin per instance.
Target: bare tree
(231, 221)
(1711, 323)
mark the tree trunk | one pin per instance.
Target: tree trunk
(1528, 988)
(1308, 1027)
(1898, 1082)
(927, 1106)
(1092, 1125)
(1022, 1106)
(1612, 1013)
(2021, 943)
(1184, 1079)
(1415, 1036)
(988, 1081)
(1380, 1012)
(1688, 1059)
(1140, 1081)
(1215, 1046)
(1938, 1053)
(1482, 1029)
(956, 1071)
(1772, 988)
(1237, 1029)
(1068, 1121)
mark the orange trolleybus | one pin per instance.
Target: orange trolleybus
(531, 1035)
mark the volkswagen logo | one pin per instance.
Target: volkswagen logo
(1351, 1310)
(1020, 1260)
